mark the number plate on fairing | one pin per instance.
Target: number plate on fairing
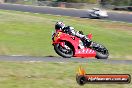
(56, 35)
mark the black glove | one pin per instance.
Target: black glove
(81, 32)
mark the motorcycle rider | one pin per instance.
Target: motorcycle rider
(70, 30)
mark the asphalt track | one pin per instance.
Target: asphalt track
(60, 59)
(66, 12)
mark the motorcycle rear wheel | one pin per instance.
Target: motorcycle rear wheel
(62, 51)
(101, 51)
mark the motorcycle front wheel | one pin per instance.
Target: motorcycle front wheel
(66, 53)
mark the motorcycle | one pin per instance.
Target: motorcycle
(69, 46)
(97, 13)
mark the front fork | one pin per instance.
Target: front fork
(62, 44)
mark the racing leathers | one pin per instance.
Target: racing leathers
(70, 30)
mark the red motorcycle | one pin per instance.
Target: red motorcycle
(69, 46)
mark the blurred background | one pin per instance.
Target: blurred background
(79, 4)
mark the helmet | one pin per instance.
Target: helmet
(59, 25)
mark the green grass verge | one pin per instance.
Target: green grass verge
(55, 75)
(24, 2)
(30, 34)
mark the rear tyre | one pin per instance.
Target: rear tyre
(101, 51)
(66, 53)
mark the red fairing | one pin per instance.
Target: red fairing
(86, 52)
(59, 37)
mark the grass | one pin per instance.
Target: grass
(26, 2)
(53, 75)
(30, 34)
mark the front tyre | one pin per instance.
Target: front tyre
(66, 53)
